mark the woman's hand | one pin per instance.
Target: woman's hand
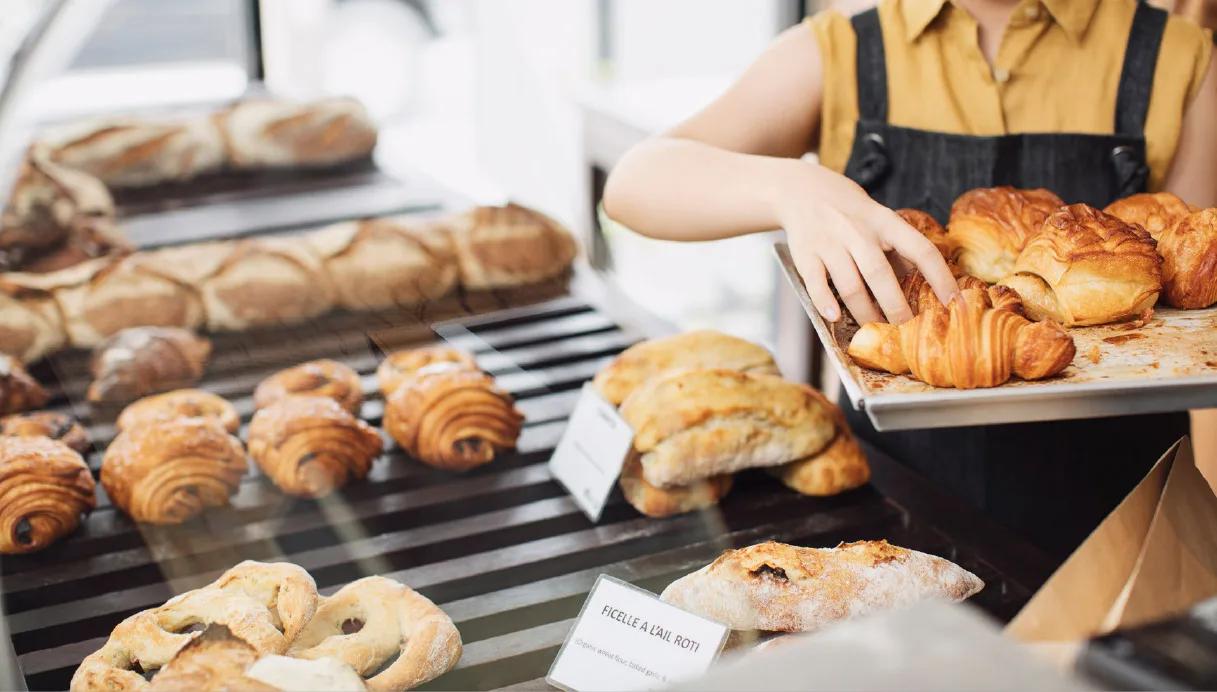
(837, 232)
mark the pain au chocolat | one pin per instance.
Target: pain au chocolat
(49, 424)
(180, 403)
(170, 472)
(403, 366)
(323, 377)
(45, 489)
(1087, 267)
(990, 226)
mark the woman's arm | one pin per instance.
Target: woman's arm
(733, 169)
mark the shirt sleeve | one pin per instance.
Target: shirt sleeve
(839, 110)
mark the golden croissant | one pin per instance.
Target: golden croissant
(990, 226)
(1086, 267)
(45, 488)
(966, 344)
(1156, 212)
(310, 445)
(170, 472)
(453, 420)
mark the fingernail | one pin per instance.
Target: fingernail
(832, 315)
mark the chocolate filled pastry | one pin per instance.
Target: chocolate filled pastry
(180, 403)
(310, 446)
(140, 361)
(19, 391)
(509, 246)
(326, 378)
(45, 489)
(974, 341)
(50, 424)
(658, 502)
(400, 367)
(263, 282)
(694, 424)
(991, 225)
(1189, 267)
(785, 588)
(138, 153)
(386, 262)
(694, 350)
(393, 624)
(1156, 212)
(1086, 267)
(267, 133)
(839, 467)
(141, 290)
(265, 605)
(453, 420)
(31, 324)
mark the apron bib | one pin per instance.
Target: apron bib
(1052, 482)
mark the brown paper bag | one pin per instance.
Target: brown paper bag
(1154, 556)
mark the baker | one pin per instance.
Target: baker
(909, 105)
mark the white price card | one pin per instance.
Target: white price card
(589, 457)
(625, 638)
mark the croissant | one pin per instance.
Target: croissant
(144, 360)
(400, 367)
(991, 226)
(965, 345)
(1086, 267)
(50, 424)
(19, 391)
(310, 446)
(509, 246)
(171, 472)
(920, 295)
(327, 378)
(1156, 212)
(45, 487)
(453, 420)
(180, 403)
(1189, 268)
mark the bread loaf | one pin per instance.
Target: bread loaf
(266, 133)
(48, 204)
(509, 246)
(263, 282)
(839, 467)
(665, 502)
(130, 152)
(31, 323)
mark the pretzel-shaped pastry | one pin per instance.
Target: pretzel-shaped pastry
(327, 378)
(267, 605)
(392, 619)
(401, 366)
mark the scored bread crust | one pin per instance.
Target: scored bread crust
(693, 424)
(498, 247)
(705, 348)
(785, 588)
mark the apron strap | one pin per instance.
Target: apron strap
(872, 66)
(1140, 60)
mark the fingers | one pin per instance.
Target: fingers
(917, 249)
(849, 283)
(878, 274)
(815, 277)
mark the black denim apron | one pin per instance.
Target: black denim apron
(1052, 482)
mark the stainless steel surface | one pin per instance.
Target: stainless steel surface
(1110, 386)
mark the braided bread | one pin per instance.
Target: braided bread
(391, 620)
(990, 226)
(19, 391)
(49, 424)
(168, 473)
(266, 605)
(310, 446)
(453, 420)
(144, 360)
(180, 403)
(1087, 267)
(400, 367)
(45, 487)
(326, 378)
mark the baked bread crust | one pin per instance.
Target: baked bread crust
(171, 472)
(1156, 212)
(31, 324)
(1097, 268)
(324, 377)
(396, 621)
(1189, 268)
(785, 588)
(453, 420)
(693, 350)
(401, 367)
(991, 226)
(139, 361)
(510, 246)
(137, 153)
(214, 661)
(45, 488)
(310, 446)
(388, 262)
(267, 133)
(693, 424)
(929, 227)
(264, 282)
(49, 424)
(839, 467)
(665, 502)
(180, 403)
(19, 391)
(264, 604)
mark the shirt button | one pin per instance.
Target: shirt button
(1002, 75)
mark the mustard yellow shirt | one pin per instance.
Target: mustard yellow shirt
(1057, 69)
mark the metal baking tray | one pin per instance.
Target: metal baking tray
(1167, 364)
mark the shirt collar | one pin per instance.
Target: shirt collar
(1073, 15)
